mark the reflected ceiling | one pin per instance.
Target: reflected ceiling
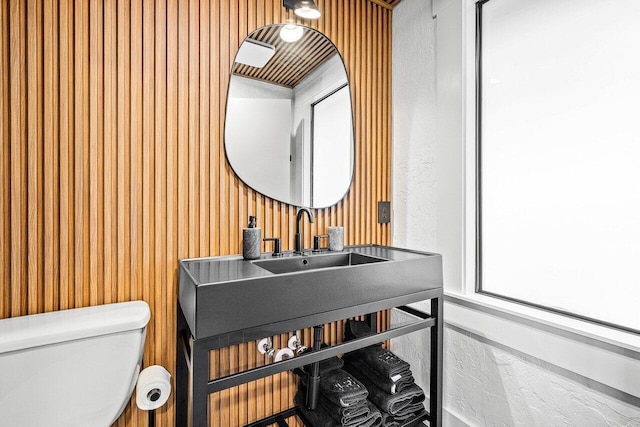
(298, 63)
(291, 63)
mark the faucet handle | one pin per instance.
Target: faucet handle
(316, 242)
(276, 245)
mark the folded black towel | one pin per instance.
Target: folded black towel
(361, 415)
(399, 382)
(357, 329)
(320, 417)
(409, 411)
(345, 416)
(341, 388)
(381, 360)
(375, 416)
(325, 366)
(407, 401)
(317, 417)
(394, 404)
(389, 420)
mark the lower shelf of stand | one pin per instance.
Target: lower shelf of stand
(280, 419)
(193, 384)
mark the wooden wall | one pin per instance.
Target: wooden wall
(112, 162)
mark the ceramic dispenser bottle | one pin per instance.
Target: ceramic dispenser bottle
(251, 240)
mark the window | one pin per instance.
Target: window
(558, 119)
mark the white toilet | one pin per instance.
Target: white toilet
(72, 367)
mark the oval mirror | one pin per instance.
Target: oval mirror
(289, 122)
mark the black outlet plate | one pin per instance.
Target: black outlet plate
(384, 212)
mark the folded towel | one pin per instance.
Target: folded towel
(357, 329)
(409, 411)
(406, 402)
(381, 360)
(393, 385)
(317, 417)
(326, 365)
(359, 416)
(394, 404)
(389, 420)
(375, 416)
(321, 418)
(341, 388)
(346, 416)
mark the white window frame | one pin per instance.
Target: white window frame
(606, 355)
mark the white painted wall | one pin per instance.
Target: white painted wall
(427, 169)
(258, 135)
(485, 384)
(414, 126)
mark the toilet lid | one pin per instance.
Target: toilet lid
(18, 333)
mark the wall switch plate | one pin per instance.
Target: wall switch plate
(384, 212)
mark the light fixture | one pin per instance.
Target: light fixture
(306, 9)
(291, 32)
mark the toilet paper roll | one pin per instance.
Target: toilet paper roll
(153, 388)
(284, 354)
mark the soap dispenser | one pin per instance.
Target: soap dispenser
(251, 240)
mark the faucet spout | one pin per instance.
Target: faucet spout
(298, 242)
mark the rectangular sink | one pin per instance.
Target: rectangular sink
(314, 262)
(227, 294)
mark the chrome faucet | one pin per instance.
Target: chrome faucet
(298, 243)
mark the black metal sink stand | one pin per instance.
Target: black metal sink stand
(192, 361)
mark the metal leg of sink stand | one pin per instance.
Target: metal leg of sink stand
(198, 381)
(313, 380)
(435, 400)
(182, 371)
(192, 377)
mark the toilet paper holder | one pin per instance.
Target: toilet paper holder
(154, 394)
(153, 389)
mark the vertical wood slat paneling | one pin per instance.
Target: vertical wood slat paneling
(34, 163)
(66, 126)
(123, 143)
(109, 206)
(113, 167)
(163, 293)
(171, 226)
(81, 153)
(5, 154)
(16, 259)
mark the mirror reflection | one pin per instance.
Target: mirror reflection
(289, 121)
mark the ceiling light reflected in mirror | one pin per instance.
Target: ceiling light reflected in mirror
(291, 33)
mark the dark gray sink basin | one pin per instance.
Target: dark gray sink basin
(227, 294)
(313, 262)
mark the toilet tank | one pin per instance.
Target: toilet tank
(73, 367)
